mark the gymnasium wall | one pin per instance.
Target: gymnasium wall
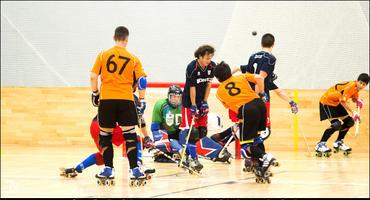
(54, 44)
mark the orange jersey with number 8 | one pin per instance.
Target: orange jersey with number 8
(340, 92)
(116, 68)
(236, 91)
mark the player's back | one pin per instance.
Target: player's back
(340, 91)
(117, 67)
(236, 91)
(260, 61)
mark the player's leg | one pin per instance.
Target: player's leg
(206, 147)
(326, 114)
(348, 122)
(186, 121)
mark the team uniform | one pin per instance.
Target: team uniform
(197, 77)
(116, 68)
(237, 95)
(262, 61)
(331, 109)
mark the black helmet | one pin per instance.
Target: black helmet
(173, 90)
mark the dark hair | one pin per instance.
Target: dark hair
(121, 33)
(222, 71)
(203, 50)
(364, 78)
(267, 40)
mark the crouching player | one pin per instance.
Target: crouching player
(166, 119)
(236, 94)
(333, 107)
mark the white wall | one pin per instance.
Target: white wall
(55, 43)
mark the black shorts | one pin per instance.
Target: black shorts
(113, 111)
(253, 115)
(328, 112)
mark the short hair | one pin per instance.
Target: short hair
(364, 78)
(222, 71)
(204, 50)
(121, 33)
(267, 40)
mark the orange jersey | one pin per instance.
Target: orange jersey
(340, 92)
(236, 91)
(116, 68)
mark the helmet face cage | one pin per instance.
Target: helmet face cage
(174, 90)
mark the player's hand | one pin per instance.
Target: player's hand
(263, 96)
(359, 103)
(294, 107)
(273, 77)
(141, 106)
(204, 109)
(356, 117)
(193, 110)
(95, 98)
(148, 142)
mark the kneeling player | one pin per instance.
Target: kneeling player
(166, 120)
(236, 94)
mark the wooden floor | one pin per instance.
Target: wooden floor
(33, 172)
(43, 129)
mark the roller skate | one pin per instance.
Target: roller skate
(340, 146)
(68, 172)
(137, 177)
(224, 157)
(263, 173)
(250, 165)
(322, 150)
(148, 171)
(105, 177)
(195, 165)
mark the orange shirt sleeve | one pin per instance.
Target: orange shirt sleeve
(139, 71)
(250, 78)
(349, 92)
(98, 64)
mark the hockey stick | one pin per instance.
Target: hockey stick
(186, 143)
(174, 160)
(357, 122)
(229, 141)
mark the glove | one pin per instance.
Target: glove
(263, 96)
(95, 98)
(294, 107)
(273, 77)
(148, 142)
(359, 103)
(141, 106)
(193, 110)
(356, 117)
(203, 109)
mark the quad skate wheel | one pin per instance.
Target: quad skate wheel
(148, 177)
(346, 153)
(190, 172)
(318, 154)
(268, 181)
(257, 180)
(132, 184)
(137, 183)
(276, 164)
(335, 151)
(99, 182)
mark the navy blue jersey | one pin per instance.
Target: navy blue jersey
(261, 61)
(199, 78)
(272, 86)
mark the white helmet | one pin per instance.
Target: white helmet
(214, 122)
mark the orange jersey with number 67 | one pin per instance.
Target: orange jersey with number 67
(236, 91)
(116, 68)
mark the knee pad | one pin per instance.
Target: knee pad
(335, 124)
(131, 139)
(202, 132)
(105, 139)
(245, 150)
(348, 122)
(194, 134)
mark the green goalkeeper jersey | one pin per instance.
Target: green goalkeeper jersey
(167, 117)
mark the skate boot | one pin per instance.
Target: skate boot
(322, 150)
(195, 165)
(147, 170)
(68, 172)
(185, 161)
(105, 176)
(137, 177)
(250, 165)
(263, 173)
(225, 157)
(340, 146)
